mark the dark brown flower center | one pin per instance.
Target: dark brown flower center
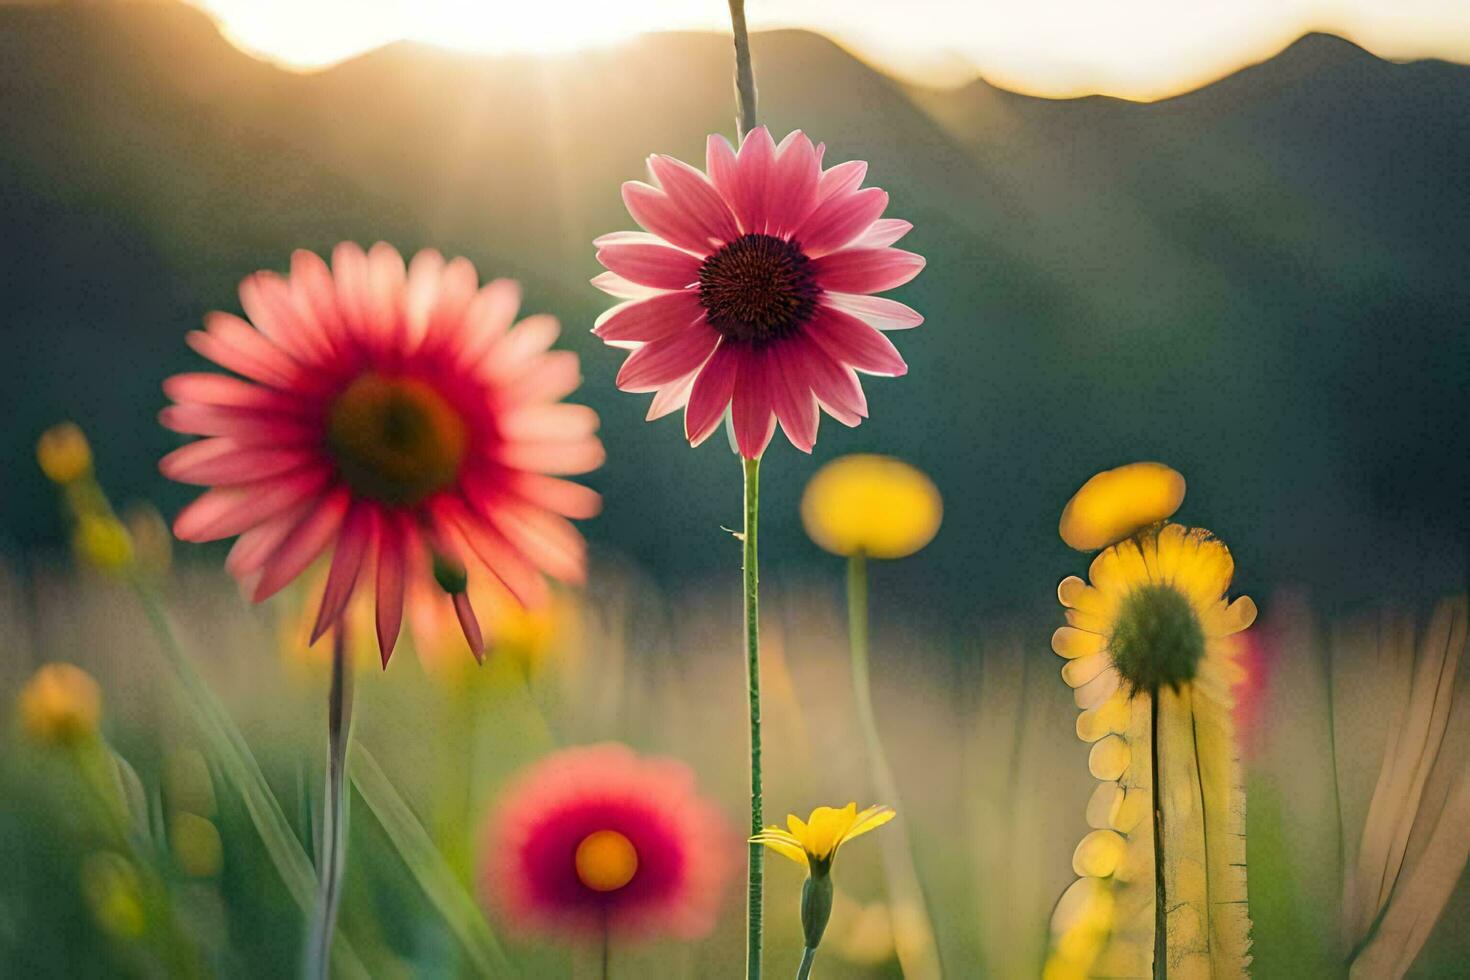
(395, 439)
(758, 288)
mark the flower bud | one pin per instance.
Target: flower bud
(816, 906)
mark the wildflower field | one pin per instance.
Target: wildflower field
(769, 569)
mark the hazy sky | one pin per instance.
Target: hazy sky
(1131, 48)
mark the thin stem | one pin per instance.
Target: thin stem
(1161, 911)
(755, 879)
(744, 72)
(805, 970)
(918, 959)
(606, 949)
(334, 812)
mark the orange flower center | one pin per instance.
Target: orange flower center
(396, 440)
(606, 861)
(758, 288)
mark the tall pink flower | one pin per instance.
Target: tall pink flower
(597, 838)
(751, 289)
(394, 416)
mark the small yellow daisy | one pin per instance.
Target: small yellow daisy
(61, 704)
(813, 843)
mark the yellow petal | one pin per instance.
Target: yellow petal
(782, 845)
(1070, 642)
(1115, 503)
(1099, 689)
(1110, 717)
(870, 819)
(1103, 806)
(1109, 758)
(1083, 669)
(1098, 854)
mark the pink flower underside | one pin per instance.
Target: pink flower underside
(683, 846)
(274, 484)
(688, 215)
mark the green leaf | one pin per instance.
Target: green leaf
(460, 911)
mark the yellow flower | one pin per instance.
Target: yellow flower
(813, 843)
(1115, 503)
(871, 505)
(60, 705)
(63, 453)
(1154, 616)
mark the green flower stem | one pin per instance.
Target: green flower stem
(805, 970)
(755, 878)
(744, 72)
(334, 813)
(918, 961)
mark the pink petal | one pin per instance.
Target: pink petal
(316, 295)
(885, 231)
(649, 320)
(841, 179)
(850, 341)
(219, 461)
(615, 285)
(792, 193)
(836, 386)
(420, 290)
(386, 280)
(792, 398)
(670, 398)
(875, 311)
(358, 533)
(269, 303)
(691, 192)
(501, 558)
(302, 546)
(551, 542)
(751, 410)
(866, 270)
(552, 376)
(243, 425)
(252, 548)
(451, 308)
(839, 220)
(485, 321)
(235, 345)
(653, 365)
(350, 281)
(713, 388)
(469, 625)
(226, 511)
(724, 170)
(757, 159)
(651, 265)
(559, 496)
(556, 422)
(552, 458)
(517, 348)
(660, 214)
(221, 389)
(391, 561)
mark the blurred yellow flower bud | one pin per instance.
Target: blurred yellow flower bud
(187, 784)
(196, 845)
(1115, 503)
(114, 894)
(101, 540)
(61, 704)
(871, 505)
(63, 453)
(152, 540)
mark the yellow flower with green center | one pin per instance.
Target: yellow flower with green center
(1151, 653)
(813, 843)
(876, 506)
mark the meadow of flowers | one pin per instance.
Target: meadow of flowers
(409, 727)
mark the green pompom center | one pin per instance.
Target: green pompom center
(1157, 640)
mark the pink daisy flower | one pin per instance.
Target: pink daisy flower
(751, 289)
(394, 416)
(597, 838)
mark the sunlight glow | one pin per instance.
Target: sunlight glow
(1140, 49)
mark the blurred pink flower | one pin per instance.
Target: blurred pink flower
(596, 838)
(750, 289)
(395, 416)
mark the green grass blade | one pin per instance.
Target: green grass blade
(460, 911)
(230, 751)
